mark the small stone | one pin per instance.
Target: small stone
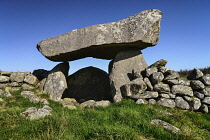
(181, 103)
(166, 102)
(141, 101)
(89, 104)
(196, 84)
(156, 78)
(35, 113)
(160, 63)
(31, 96)
(103, 103)
(196, 104)
(152, 101)
(47, 108)
(204, 108)
(206, 100)
(145, 95)
(182, 90)
(27, 87)
(44, 102)
(149, 71)
(205, 79)
(70, 107)
(165, 125)
(198, 95)
(69, 101)
(162, 88)
(195, 74)
(148, 83)
(4, 79)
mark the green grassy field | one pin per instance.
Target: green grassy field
(121, 121)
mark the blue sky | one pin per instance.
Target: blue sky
(184, 37)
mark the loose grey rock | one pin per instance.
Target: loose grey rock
(204, 108)
(148, 83)
(35, 113)
(70, 107)
(145, 95)
(177, 82)
(206, 100)
(31, 79)
(104, 40)
(196, 104)
(47, 107)
(195, 74)
(89, 83)
(44, 102)
(165, 113)
(163, 69)
(123, 64)
(31, 96)
(103, 103)
(198, 95)
(181, 103)
(27, 87)
(152, 101)
(56, 85)
(156, 78)
(170, 74)
(4, 79)
(196, 84)
(162, 88)
(206, 91)
(134, 87)
(141, 101)
(165, 96)
(69, 101)
(6, 73)
(15, 84)
(150, 70)
(205, 79)
(160, 63)
(136, 74)
(89, 104)
(18, 76)
(182, 90)
(165, 125)
(166, 102)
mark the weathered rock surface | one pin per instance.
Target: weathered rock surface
(123, 65)
(104, 40)
(160, 63)
(17, 76)
(148, 83)
(195, 74)
(166, 102)
(206, 100)
(162, 88)
(55, 84)
(165, 125)
(196, 84)
(181, 103)
(31, 96)
(102, 103)
(4, 79)
(89, 83)
(156, 78)
(182, 90)
(141, 101)
(145, 95)
(150, 70)
(36, 113)
(31, 79)
(134, 87)
(170, 74)
(196, 104)
(205, 79)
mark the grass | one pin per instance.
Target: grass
(121, 121)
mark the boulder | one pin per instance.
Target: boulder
(156, 78)
(182, 90)
(162, 88)
(145, 95)
(148, 83)
(31, 79)
(55, 84)
(196, 84)
(163, 69)
(102, 103)
(204, 108)
(181, 103)
(152, 101)
(160, 63)
(134, 87)
(123, 64)
(4, 79)
(196, 104)
(206, 100)
(170, 74)
(165, 125)
(150, 70)
(136, 74)
(88, 104)
(177, 82)
(198, 95)
(104, 40)
(18, 76)
(195, 74)
(89, 83)
(31, 96)
(205, 79)
(6, 73)
(166, 102)
(69, 101)
(141, 101)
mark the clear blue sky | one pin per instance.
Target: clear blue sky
(184, 37)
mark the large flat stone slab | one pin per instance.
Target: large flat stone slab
(104, 40)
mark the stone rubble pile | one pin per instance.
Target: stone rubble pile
(158, 84)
